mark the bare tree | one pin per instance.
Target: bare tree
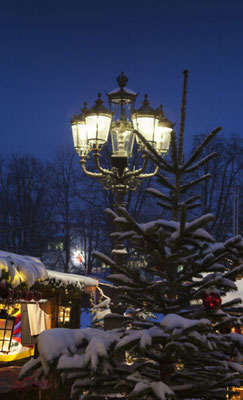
(24, 211)
(226, 171)
(62, 192)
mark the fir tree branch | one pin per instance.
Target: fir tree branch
(183, 117)
(111, 213)
(165, 205)
(199, 223)
(102, 257)
(200, 148)
(124, 213)
(157, 158)
(191, 206)
(127, 235)
(161, 166)
(164, 181)
(201, 163)
(192, 199)
(158, 194)
(184, 188)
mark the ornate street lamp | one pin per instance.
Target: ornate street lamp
(90, 133)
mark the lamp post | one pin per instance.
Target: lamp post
(90, 132)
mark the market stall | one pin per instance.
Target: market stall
(33, 299)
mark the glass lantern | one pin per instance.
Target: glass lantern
(122, 139)
(98, 121)
(121, 102)
(145, 120)
(6, 331)
(79, 131)
(163, 135)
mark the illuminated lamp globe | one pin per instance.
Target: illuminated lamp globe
(212, 301)
(145, 120)
(163, 133)
(98, 121)
(79, 132)
(121, 102)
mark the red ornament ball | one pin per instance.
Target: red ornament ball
(212, 301)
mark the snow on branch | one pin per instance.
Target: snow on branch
(234, 272)
(192, 199)
(158, 194)
(146, 388)
(102, 257)
(176, 323)
(200, 163)
(127, 235)
(127, 217)
(111, 213)
(165, 205)
(193, 229)
(62, 345)
(169, 225)
(117, 278)
(199, 222)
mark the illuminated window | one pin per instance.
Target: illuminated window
(64, 315)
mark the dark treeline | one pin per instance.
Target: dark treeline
(47, 209)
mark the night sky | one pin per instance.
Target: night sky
(57, 54)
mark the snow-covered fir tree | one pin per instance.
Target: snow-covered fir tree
(192, 353)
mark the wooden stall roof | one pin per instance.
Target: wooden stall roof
(29, 270)
(90, 284)
(22, 269)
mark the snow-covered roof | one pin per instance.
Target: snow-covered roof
(22, 269)
(74, 279)
(29, 270)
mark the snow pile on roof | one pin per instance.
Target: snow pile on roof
(22, 269)
(73, 279)
(29, 270)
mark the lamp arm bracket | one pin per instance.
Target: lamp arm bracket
(138, 171)
(103, 171)
(150, 175)
(89, 173)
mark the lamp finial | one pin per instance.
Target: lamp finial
(122, 80)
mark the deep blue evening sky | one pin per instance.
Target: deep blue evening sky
(57, 54)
